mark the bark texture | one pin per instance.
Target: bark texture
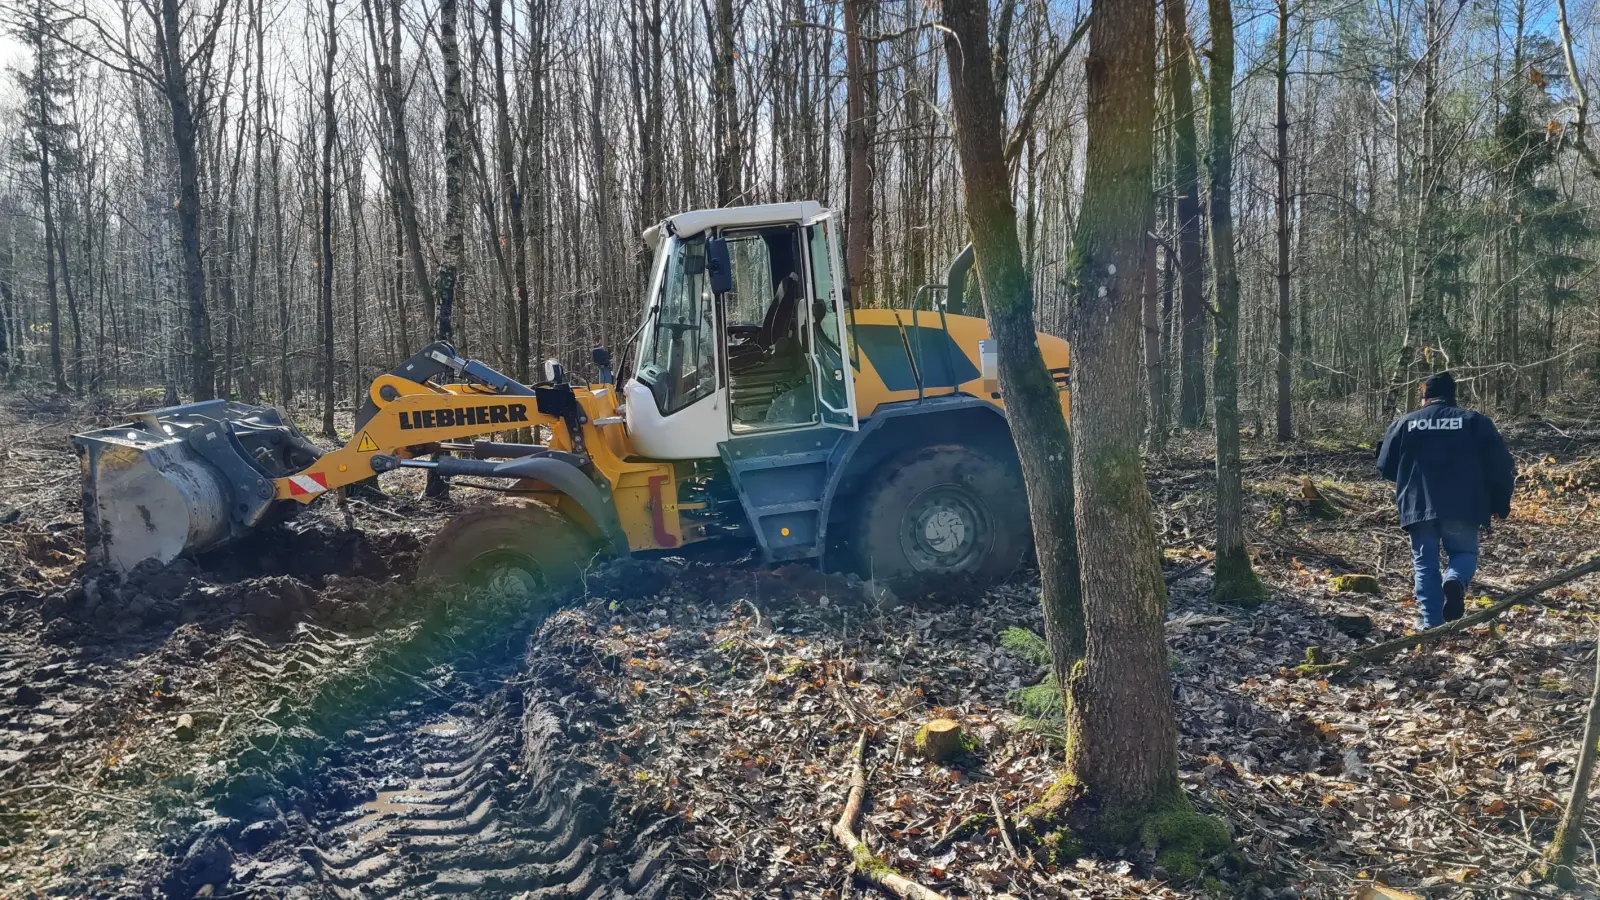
(1122, 745)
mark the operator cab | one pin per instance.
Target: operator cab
(744, 331)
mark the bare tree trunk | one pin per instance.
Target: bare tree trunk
(197, 319)
(1038, 427)
(1281, 163)
(534, 174)
(730, 151)
(1235, 580)
(384, 33)
(43, 143)
(279, 293)
(248, 391)
(1154, 377)
(455, 165)
(859, 199)
(455, 158)
(325, 224)
(72, 312)
(510, 189)
(1123, 753)
(1191, 246)
(1425, 326)
(357, 385)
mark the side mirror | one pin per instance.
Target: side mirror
(602, 360)
(719, 265)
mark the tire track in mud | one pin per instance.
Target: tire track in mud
(476, 789)
(493, 807)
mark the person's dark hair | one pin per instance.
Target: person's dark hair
(1440, 387)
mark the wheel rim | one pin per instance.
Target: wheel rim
(945, 528)
(506, 575)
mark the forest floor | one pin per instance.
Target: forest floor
(697, 715)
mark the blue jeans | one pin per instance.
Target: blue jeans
(1459, 540)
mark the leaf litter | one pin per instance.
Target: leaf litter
(736, 698)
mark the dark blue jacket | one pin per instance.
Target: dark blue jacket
(1448, 463)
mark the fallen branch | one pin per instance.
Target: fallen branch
(868, 866)
(1556, 863)
(1386, 649)
(1000, 822)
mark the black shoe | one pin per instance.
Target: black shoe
(1455, 600)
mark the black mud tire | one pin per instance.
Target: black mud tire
(942, 511)
(522, 540)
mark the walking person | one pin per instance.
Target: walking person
(1452, 472)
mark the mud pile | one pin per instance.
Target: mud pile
(337, 577)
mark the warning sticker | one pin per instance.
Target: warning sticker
(367, 445)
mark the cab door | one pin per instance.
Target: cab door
(828, 321)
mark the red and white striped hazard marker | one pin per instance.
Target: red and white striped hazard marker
(315, 483)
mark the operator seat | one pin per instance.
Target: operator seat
(777, 331)
(779, 325)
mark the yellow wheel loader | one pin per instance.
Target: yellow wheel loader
(758, 405)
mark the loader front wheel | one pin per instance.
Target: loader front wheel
(944, 510)
(521, 549)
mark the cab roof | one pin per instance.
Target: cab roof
(696, 221)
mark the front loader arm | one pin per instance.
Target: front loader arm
(406, 414)
(584, 471)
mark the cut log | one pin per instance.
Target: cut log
(941, 740)
(183, 729)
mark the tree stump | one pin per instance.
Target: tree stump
(1352, 623)
(1356, 584)
(941, 740)
(1317, 506)
(183, 729)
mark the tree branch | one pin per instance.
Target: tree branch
(868, 866)
(1041, 89)
(1386, 649)
(1580, 119)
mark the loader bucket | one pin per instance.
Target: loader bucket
(183, 479)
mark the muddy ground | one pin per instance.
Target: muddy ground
(680, 727)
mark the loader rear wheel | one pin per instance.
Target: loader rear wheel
(519, 548)
(944, 510)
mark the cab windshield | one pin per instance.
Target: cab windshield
(678, 350)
